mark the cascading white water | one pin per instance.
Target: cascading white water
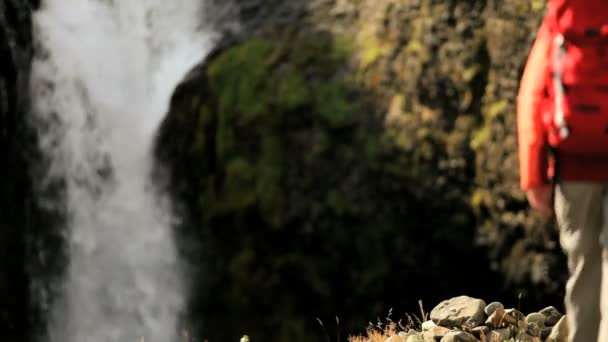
(101, 82)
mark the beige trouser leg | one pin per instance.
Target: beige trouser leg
(578, 208)
(603, 333)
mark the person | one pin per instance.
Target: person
(562, 124)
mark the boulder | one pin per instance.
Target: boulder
(458, 310)
(536, 318)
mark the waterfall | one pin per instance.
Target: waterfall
(101, 81)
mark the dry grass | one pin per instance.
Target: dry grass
(380, 331)
(377, 335)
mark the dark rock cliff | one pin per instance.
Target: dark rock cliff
(15, 185)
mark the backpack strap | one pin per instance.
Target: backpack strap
(559, 50)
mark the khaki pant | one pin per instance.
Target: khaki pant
(581, 209)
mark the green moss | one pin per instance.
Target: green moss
(292, 90)
(239, 183)
(370, 55)
(343, 47)
(496, 108)
(471, 72)
(481, 135)
(333, 104)
(257, 85)
(479, 198)
(268, 183)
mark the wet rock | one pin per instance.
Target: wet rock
(18, 199)
(456, 311)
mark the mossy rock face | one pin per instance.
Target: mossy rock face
(358, 149)
(257, 99)
(523, 248)
(447, 75)
(291, 186)
(262, 139)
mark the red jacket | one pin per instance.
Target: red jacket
(535, 164)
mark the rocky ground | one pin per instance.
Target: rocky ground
(467, 319)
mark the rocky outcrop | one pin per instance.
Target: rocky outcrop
(290, 185)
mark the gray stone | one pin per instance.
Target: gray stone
(544, 332)
(534, 329)
(459, 336)
(481, 331)
(428, 325)
(500, 335)
(516, 314)
(435, 333)
(559, 333)
(537, 318)
(456, 311)
(553, 316)
(490, 308)
(415, 338)
(523, 337)
(499, 318)
(522, 325)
